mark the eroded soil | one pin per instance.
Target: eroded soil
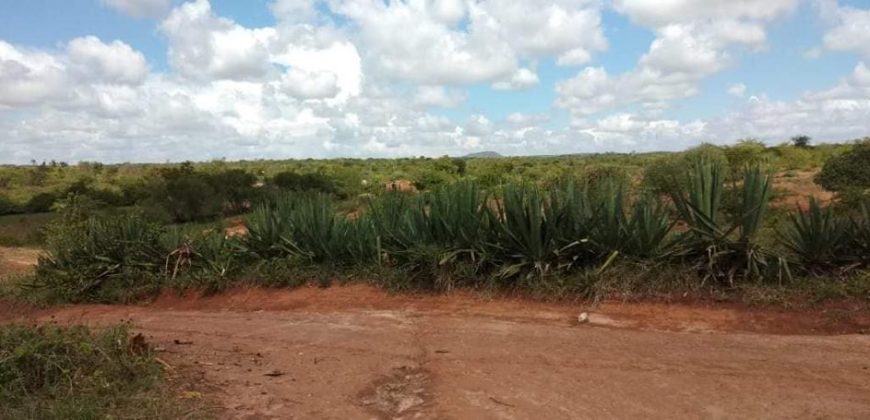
(357, 352)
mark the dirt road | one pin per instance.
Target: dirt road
(357, 352)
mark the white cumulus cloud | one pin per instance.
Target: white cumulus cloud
(140, 8)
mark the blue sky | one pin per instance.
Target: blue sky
(155, 80)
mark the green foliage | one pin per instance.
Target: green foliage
(801, 141)
(50, 372)
(727, 250)
(306, 227)
(529, 234)
(859, 237)
(817, 237)
(747, 152)
(666, 175)
(791, 158)
(309, 182)
(516, 222)
(268, 230)
(41, 203)
(437, 235)
(184, 194)
(23, 229)
(7, 206)
(848, 171)
(100, 259)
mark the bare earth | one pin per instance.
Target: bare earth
(358, 352)
(17, 260)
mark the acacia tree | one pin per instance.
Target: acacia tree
(802, 141)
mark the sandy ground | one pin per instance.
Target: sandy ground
(357, 352)
(796, 188)
(17, 260)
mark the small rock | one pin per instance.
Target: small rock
(583, 317)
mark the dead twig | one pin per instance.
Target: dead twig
(501, 402)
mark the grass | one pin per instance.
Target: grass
(19, 230)
(52, 372)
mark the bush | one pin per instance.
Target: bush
(184, 195)
(106, 259)
(747, 152)
(41, 203)
(667, 175)
(7, 206)
(85, 187)
(848, 171)
(792, 158)
(311, 182)
(51, 372)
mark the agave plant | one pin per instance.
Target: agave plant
(214, 255)
(85, 257)
(859, 237)
(816, 236)
(727, 249)
(648, 228)
(529, 238)
(268, 228)
(432, 235)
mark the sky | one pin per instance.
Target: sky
(173, 80)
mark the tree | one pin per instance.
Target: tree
(802, 141)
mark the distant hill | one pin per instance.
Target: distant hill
(487, 154)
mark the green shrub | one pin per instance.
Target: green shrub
(726, 250)
(848, 171)
(746, 152)
(41, 203)
(7, 206)
(236, 188)
(101, 259)
(309, 182)
(791, 158)
(50, 372)
(435, 236)
(667, 175)
(817, 237)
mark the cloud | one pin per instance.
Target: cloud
(851, 31)
(631, 132)
(519, 119)
(521, 79)
(32, 77)
(339, 58)
(29, 77)
(658, 13)
(693, 39)
(408, 42)
(140, 8)
(737, 90)
(305, 85)
(438, 96)
(362, 78)
(204, 46)
(115, 62)
(450, 42)
(567, 29)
